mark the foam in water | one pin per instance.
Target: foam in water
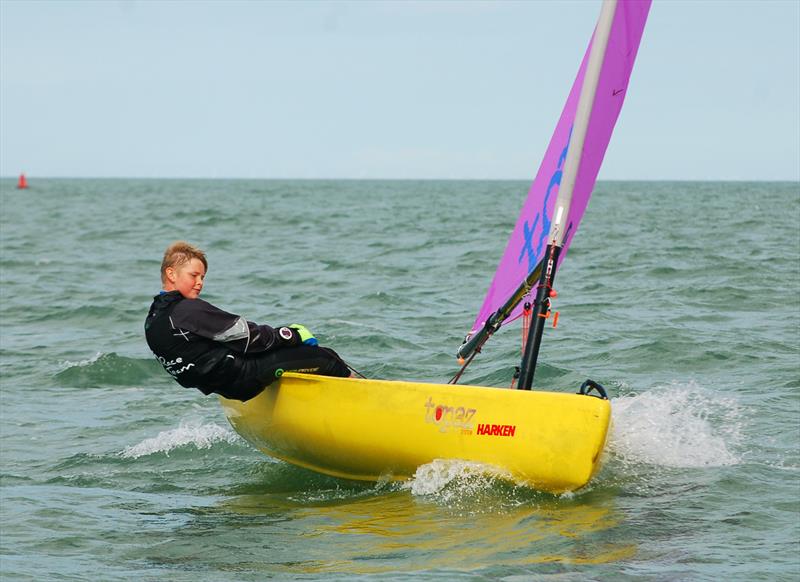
(67, 364)
(468, 477)
(681, 425)
(200, 436)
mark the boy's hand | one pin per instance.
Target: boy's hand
(306, 336)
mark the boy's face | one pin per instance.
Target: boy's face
(186, 278)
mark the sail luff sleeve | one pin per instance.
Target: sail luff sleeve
(583, 114)
(612, 88)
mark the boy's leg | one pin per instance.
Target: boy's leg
(265, 369)
(304, 359)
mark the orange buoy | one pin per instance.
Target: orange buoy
(23, 182)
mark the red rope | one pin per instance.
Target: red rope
(527, 315)
(526, 324)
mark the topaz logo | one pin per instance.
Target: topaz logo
(449, 418)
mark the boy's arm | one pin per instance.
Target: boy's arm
(238, 334)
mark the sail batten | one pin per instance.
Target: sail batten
(573, 157)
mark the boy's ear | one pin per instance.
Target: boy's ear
(170, 272)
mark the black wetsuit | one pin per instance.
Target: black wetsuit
(212, 350)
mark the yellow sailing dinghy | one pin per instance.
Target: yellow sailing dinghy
(376, 429)
(379, 429)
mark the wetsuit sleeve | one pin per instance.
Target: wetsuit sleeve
(238, 334)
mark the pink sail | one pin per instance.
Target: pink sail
(529, 239)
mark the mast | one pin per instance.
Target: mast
(559, 226)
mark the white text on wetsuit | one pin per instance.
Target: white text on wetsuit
(176, 362)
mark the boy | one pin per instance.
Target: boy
(212, 350)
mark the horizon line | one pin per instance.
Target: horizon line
(362, 179)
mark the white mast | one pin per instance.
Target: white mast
(582, 116)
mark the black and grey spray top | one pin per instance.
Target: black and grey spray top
(204, 347)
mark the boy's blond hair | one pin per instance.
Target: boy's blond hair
(178, 253)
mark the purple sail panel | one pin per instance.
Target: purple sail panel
(528, 241)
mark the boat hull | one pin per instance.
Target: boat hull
(377, 429)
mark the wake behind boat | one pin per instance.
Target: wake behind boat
(375, 429)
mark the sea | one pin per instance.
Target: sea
(682, 298)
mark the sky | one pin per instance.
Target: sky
(386, 90)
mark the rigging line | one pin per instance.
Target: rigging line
(527, 314)
(356, 372)
(502, 315)
(457, 377)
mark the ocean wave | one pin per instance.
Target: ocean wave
(82, 314)
(186, 435)
(680, 425)
(109, 369)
